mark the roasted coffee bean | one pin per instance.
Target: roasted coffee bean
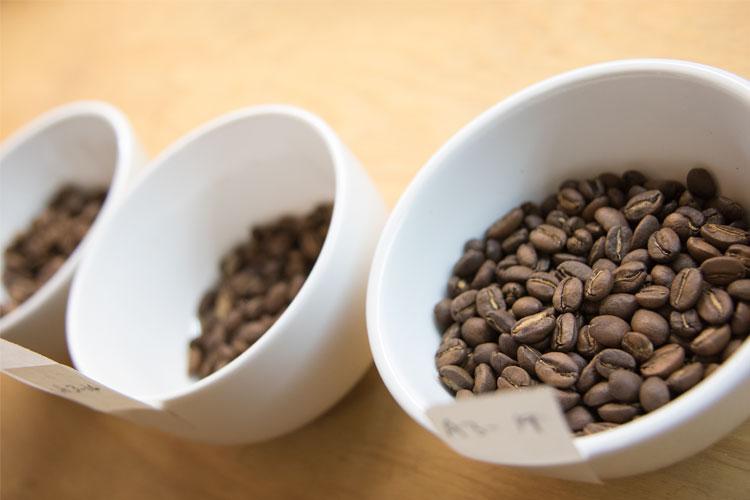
(512, 291)
(624, 385)
(597, 250)
(557, 369)
(580, 242)
(645, 203)
(476, 331)
(604, 264)
(715, 306)
(685, 324)
(549, 204)
(527, 357)
(463, 307)
(588, 377)
(610, 360)
(713, 216)
(567, 399)
(484, 379)
(681, 225)
(526, 255)
(730, 349)
(633, 177)
(589, 212)
(730, 209)
(686, 289)
(468, 264)
(492, 250)
(652, 296)
(506, 262)
(610, 217)
(645, 228)
(664, 361)
(574, 268)
(700, 249)
(542, 285)
(547, 238)
(456, 286)
(514, 377)
(526, 306)
(741, 253)
(682, 261)
(516, 239)
(455, 378)
(617, 243)
(701, 183)
(542, 264)
(483, 352)
(638, 255)
(591, 188)
(533, 328)
(740, 323)
(608, 330)
(721, 271)
(662, 275)
(517, 274)
(723, 236)
(568, 295)
(664, 245)
(685, 378)
(598, 395)
(637, 345)
(622, 305)
(618, 413)
(650, 324)
(502, 228)
(489, 299)
(499, 361)
(562, 258)
(484, 276)
(711, 341)
(586, 344)
(595, 229)
(570, 201)
(507, 344)
(710, 369)
(531, 221)
(565, 334)
(556, 218)
(452, 352)
(598, 285)
(740, 289)
(629, 277)
(653, 394)
(687, 199)
(578, 418)
(452, 332)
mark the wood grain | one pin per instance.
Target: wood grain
(395, 80)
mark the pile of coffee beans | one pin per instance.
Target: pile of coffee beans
(38, 252)
(621, 292)
(259, 278)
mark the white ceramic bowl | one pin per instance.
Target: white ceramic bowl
(133, 303)
(85, 143)
(659, 115)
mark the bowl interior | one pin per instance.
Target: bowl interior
(658, 122)
(80, 149)
(134, 301)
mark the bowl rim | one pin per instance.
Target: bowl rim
(338, 157)
(126, 152)
(645, 428)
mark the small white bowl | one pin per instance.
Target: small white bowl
(86, 143)
(660, 116)
(132, 310)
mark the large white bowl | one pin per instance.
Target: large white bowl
(133, 303)
(84, 143)
(659, 115)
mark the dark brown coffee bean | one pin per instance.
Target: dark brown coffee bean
(574, 268)
(542, 285)
(685, 324)
(598, 395)
(710, 369)
(456, 378)
(565, 334)
(484, 379)
(664, 361)
(476, 331)
(617, 243)
(492, 250)
(740, 289)
(687, 199)
(597, 250)
(506, 262)
(701, 183)
(730, 209)
(591, 188)
(468, 264)
(715, 306)
(500, 320)
(570, 201)
(451, 352)
(610, 360)
(604, 264)
(740, 324)
(499, 361)
(732, 347)
(654, 393)
(711, 341)
(713, 216)
(686, 289)
(645, 203)
(608, 329)
(722, 236)
(588, 377)
(599, 285)
(741, 253)
(515, 240)
(526, 306)
(489, 299)
(456, 286)
(556, 218)
(589, 212)
(610, 217)
(639, 255)
(645, 228)
(580, 242)
(652, 296)
(527, 357)
(512, 291)
(664, 245)
(568, 295)
(629, 277)
(652, 325)
(533, 328)
(526, 255)
(484, 276)
(442, 313)
(517, 274)
(682, 261)
(483, 352)
(557, 369)
(662, 275)
(578, 418)
(633, 177)
(502, 228)
(617, 412)
(547, 238)
(514, 377)
(722, 271)
(463, 307)
(681, 225)
(624, 385)
(637, 345)
(685, 378)
(586, 344)
(595, 229)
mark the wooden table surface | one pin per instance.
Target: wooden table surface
(395, 80)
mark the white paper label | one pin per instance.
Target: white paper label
(519, 428)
